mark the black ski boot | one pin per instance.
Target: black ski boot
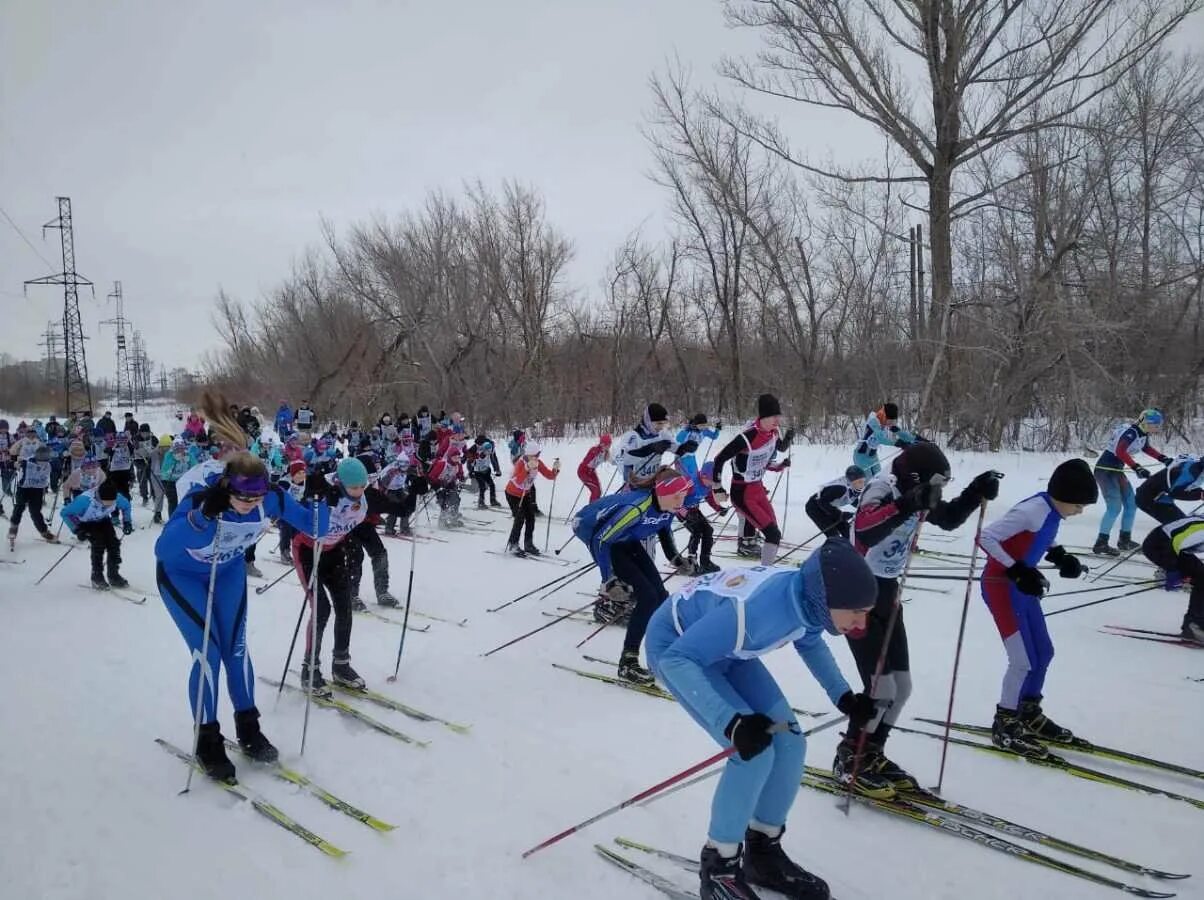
(251, 739)
(342, 674)
(722, 877)
(384, 598)
(530, 549)
(1193, 631)
(1009, 733)
(157, 518)
(404, 529)
(211, 753)
(115, 579)
(878, 762)
(390, 530)
(1040, 725)
(358, 605)
(1126, 542)
(515, 550)
(493, 501)
(869, 783)
(748, 548)
(320, 687)
(631, 670)
(767, 865)
(1101, 547)
(286, 558)
(98, 580)
(706, 567)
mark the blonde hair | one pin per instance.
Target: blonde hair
(230, 433)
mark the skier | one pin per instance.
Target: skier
(826, 507)
(482, 462)
(305, 417)
(694, 431)
(1012, 587)
(587, 469)
(1183, 479)
(89, 517)
(704, 646)
(1126, 441)
(211, 530)
(7, 468)
(891, 509)
(640, 450)
(752, 452)
(294, 486)
(284, 419)
(175, 463)
(121, 463)
(85, 475)
(400, 481)
(445, 476)
(1178, 548)
(154, 467)
(520, 495)
(702, 535)
(31, 482)
(614, 528)
(144, 443)
(881, 427)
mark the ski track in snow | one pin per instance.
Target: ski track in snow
(89, 807)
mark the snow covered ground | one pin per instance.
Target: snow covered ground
(89, 805)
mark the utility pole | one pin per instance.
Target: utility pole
(51, 341)
(77, 391)
(125, 391)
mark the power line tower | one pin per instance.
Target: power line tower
(162, 380)
(77, 391)
(139, 370)
(51, 342)
(125, 390)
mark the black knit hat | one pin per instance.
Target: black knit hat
(918, 463)
(891, 410)
(107, 490)
(848, 581)
(699, 419)
(657, 413)
(1073, 482)
(767, 405)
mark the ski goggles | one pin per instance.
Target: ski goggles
(248, 488)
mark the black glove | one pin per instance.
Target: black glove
(749, 734)
(920, 498)
(787, 439)
(1027, 580)
(894, 429)
(860, 708)
(216, 502)
(687, 447)
(719, 426)
(785, 464)
(1068, 564)
(987, 485)
(659, 446)
(1142, 472)
(127, 528)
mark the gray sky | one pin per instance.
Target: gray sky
(200, 143)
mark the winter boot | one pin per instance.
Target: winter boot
(722, 877)
(115, 579)
(1040, 725)
(1009, 733)
(1193, 631)
(211, 753)
(869, 783)
(515, 550)
(253, 571)
(342, 674)
(98, 580)
(49, 538)
(767, 865)
(684, 565)
(320, 687)
(706, 567)
(1101, 547)
(358, 605)
(493, 501)
(481, 503)
(384, 598)
(286, 558)
(157, 518)
(530, 549)
(1126, 542)
(877, 762)
(631, 670)
(748, 548)
(251, 739)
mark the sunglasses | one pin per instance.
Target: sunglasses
(247, 498)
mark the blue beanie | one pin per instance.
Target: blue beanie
(352, 473)
(835, 577)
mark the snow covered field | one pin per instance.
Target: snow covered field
(89, 805)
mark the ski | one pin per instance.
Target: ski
(650, 690)
(1012, 829)
(1079, 745)
(918, 814)
(664, 885)
(12, 562)
(1061, 764)
(348, 710)
(397, 706)
(120, 593)
(581, 617)
(461, 623)
(381, 617)
(420, 538)
(292, 776)
(539, 559)
(258, 803)
(1168, 634)
(1179, 642)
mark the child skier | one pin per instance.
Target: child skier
(1125, 443)
(89, 517)
(482, 462)
(397, 481)
(1183, 480)
(640, 450)
(1178, 548)
(881, 427)
(30, 485)
(704, 646)
(587, 469)
(751, 453)
(826, 507)
(6, 463)
(445, 475)
(294, 486)
(520, 494)
(1013, 587)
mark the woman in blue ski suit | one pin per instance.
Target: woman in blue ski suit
(210, 532)
(703, 645)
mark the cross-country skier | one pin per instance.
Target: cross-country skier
(401, 482)
(587, 469)
(482, 462)
(704, 646)
(1012, 587)
(891, 510)
(693, 432)
(640, 450)
(520, 495)
(305, 418)
(881, 428)
(30, 486)
(702, 534)
(1178, 548)
(284, 419)
(751, 453)
(1126, 441)
(827, 506)
(89, 517)
(7, 468)
(1183, 479)
(614, 529)
(213, 527)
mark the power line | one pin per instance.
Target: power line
(28, 242)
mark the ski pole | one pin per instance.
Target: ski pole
(1140, 590)
(575, 572)
(786, 501)
(576, 500)
(300, 615)
(523, 637)
(547, 532)
(202, 658)
(961, 636)
(1093, 590)
(798, 547)
(565, 544)
(264, 588)
(55, 566)
(405, 619)
(859, 750)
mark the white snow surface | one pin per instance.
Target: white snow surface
(89, 805)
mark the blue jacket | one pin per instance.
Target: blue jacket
(1184, 480)
(618, 518)
(86, 508)
(742, 614)
(284, 417)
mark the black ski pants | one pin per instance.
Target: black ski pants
(102, 539)
(523, 510)
(1158, 550)
(364, 538)
(894, 684)
(631, 563)
(702, 534)
(485, 483)
(1164, 512)
(333, 595)
(31, 499)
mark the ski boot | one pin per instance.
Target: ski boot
(1171, 581)
(1126, 542)
(1101, 547)
(1040, 725)
(869, 783)
(12, 541)
(1193, 631)
(538, 513)
(342, 674)
(748, 548)
(493, 501)
(608, 611)
(390, 530)
(286, 558)
(880, 764)
(49, 537)
(530, 549)
(630, 669)
(320, 687)
(684, 565)
(404, 529)
(1009, 733)
(384, 598)
(767, 865)
(251, 739)
(157, 519)
(98, 580)
(481, 505)
(115, 579)
(358, 605)
(706, 567)
(211, 753)
(253, 571)
(515, 550)
(722, 877)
